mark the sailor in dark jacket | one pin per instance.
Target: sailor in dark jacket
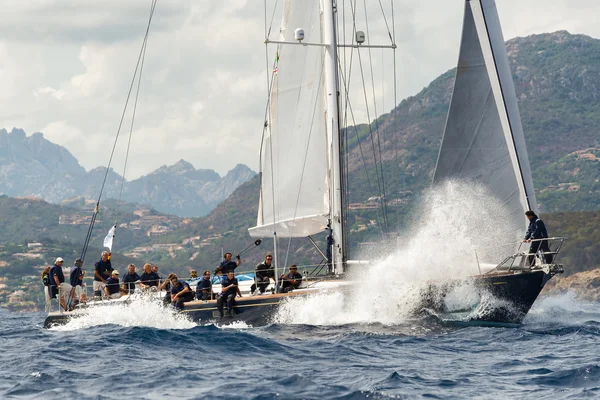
(290, 281)
(537, 230)
(263, 273)
(204, 287)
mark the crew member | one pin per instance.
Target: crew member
(180, 292)
(76, 280)
(537, 230)
(166, 286)
(76, 276)
(130, 278)
(46, 282)
(229, 289)
(218, 277)
(111, 289)
(204, 287)
(57, 284)
(149, 278)
(290, 281)
(229, 265)
(263, 272)
(55, 278)
(102, 271)
(193, 274)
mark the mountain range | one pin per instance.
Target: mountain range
(34, 166)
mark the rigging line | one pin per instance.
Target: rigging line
(371, 135)
(266, 31)
(265, 126)
(96, 209)
(364, 162)
(310, 131)
(395, 110)
(348, 106)
(359, 142)
(393, 40)
(128, 97)
(135, 102)
(377, 130)
(272, 17)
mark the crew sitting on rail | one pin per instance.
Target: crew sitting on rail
(149, 278)
(166, 285)
(263, 273)
(290, 281)
(180, 292)
(111, 289)
(228, 265)
(204, 287)
(130, 278)
(229, 290)
(102, 271)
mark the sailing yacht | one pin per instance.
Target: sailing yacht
(302, 184)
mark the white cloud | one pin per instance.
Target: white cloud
(66, 65)
(55, 93)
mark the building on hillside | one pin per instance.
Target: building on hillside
(363, 206)
(34, 245)
(141, 213)
(76, 219)
(16, 296)
(191, 240)
(157, 231)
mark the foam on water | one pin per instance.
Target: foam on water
(139, 311)
(459, 223)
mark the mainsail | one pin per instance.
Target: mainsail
(483, 139)
(294, 197)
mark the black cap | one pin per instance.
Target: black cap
(78, 262)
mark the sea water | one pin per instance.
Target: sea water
(369, 345)
(554, 355)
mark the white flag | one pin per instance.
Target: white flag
(109, 238)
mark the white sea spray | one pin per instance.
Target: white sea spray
(460, 228)
(139, 311)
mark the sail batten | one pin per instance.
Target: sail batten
(483, 138)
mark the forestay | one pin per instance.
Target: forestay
(483, 139)
(294, 197)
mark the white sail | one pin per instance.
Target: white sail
(483, 139)
(294, 197)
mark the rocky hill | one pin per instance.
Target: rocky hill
(34, 166)
(585, 285)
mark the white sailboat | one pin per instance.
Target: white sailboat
(302, 184)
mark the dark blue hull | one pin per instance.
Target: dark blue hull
(515, 293)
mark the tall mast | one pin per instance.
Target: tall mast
(333, 127)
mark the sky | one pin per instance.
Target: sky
(66, 66)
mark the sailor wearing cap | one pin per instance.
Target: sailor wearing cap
(57, 284)
(112, 285)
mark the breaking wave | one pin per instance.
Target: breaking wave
(461, 230)
(139, 311)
